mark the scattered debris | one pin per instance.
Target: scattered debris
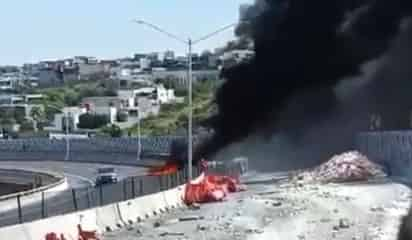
(194, 206)
(377, 209)
(276, 204)
(163, 234)
(259, 231)
(191, 218)
(211, 188)
(325, 220)
(344, 223)
(349, 166)
(202, 227)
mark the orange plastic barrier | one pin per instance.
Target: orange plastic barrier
(86, 235)
(211, 188)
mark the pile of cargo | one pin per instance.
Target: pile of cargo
(211, 188)
(346, 167)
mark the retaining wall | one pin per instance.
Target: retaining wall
(392, 149)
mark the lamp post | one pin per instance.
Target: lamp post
(139, 143)
(67, 116)
(67, 125)
(189, 43)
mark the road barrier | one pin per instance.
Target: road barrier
(156, 196)
(392, 149)
(45, 204)
(105, 218)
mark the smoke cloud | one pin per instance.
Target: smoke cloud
(320, 68)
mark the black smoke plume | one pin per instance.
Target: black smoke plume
(304, 48)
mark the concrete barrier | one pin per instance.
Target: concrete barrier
(100, 219)
(108, 218)
(66, 225)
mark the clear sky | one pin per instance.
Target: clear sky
(33, 30)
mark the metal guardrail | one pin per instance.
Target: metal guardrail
(51, 204)
(68, 201)
(60, 179)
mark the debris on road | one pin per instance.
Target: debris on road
(211, 188)
(344, 223)
(349, 166)
(190, 218)
(164, 234)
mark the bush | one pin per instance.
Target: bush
(122, 117)
(91, 121)
(26, 126)
(113, 131)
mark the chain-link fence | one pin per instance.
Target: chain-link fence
(47, 204)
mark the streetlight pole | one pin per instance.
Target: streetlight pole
(190, 117)
(67, 115)
(189, 43)
(67, 123)
(139, 143)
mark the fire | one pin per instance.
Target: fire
(167, 169)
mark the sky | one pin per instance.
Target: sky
(48, 29)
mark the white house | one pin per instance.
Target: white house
(60, 118)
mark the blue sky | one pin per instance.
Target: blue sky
(33, 30)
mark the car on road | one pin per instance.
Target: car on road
(106, 176)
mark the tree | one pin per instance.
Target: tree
(38, 114)
(91, 121)
(113, 131)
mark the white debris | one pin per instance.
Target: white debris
(349, 166)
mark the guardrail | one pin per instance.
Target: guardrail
(59, 180)
(74, 200)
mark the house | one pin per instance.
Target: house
(179, 78)
(88, 71)
(59, 122)
(10, 81)
(50, 77)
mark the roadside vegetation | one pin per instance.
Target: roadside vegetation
(173, 117)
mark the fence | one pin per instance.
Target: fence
(27, 209)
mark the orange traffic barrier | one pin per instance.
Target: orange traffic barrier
(86, 235)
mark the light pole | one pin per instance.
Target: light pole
(67, 116)
(139, 143)
(66, 120)
(189, 43)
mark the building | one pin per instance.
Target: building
(235, 57)
(50, 77)
(59, 122)
(145, 63)
(95, 102)
(169, 55)
(179, 78)
(10, 81)
(90, 71)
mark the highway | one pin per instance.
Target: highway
(284, 210)
(80, 176)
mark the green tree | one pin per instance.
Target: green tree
(38, 114)
(113, 131)
(91, 121)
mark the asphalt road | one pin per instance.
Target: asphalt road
(81, 177)
(277, 211)
(78, 174)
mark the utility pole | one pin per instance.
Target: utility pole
(189, 43)
(190, 117)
